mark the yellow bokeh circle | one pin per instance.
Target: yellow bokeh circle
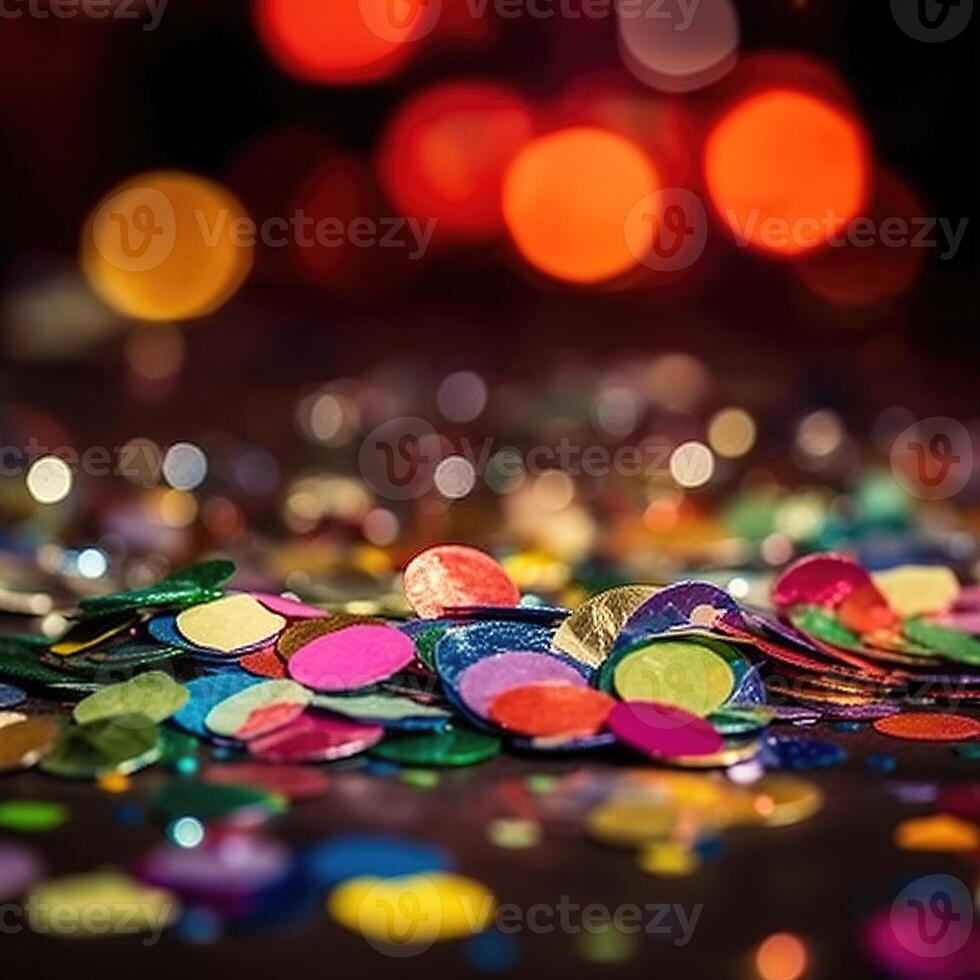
(167, 245)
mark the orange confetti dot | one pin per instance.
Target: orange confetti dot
(781, 957)
(941, 832)
(551, 709)
(929, 727)
(786, 171)
(571, 204)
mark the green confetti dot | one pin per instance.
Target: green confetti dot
(420, 778)
(607, 944)
(32, 816)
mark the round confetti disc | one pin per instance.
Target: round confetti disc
(258, 709)
(929, 727)
(20, 867)
(450, 575)
(102, 904)
(381, 856)
(264, 662)
(663, 731)
(412, 910)
(450, 747)
(286, 606)
(351, 658)
(234, 622)
(685, 673)
(124, 744)
(154, 695)
(315, 737)
(781, 801)
(589, 633)
(297, 635)
(480, 684)
(11, 696)
(551, 709)
(819, 580)
(24, 743)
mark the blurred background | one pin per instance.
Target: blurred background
(239, 237)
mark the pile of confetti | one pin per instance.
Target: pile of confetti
(702, 697)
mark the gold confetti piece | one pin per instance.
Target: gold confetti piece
(941, 832)
(414, 910)
(101, 904)
(668, 860)
(90, 633)
(630, 823)
(231, 623)
(915, 590)
(781, 801)
(590, 632)
(24, 743)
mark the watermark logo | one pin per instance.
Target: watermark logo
(136, 230)
(933, 916)
(150, 11)
(932, 21)
(933, 458)
(678, 230)
(398, 459)
(400, 20)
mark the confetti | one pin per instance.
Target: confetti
(447, 576)
(931, 727)
(350, 658)
(234, 622)
(551, 709)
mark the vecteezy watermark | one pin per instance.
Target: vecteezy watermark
(139, 461)
(137, 230)
(149, 11)
(403, 917)
(91, 919)
(835, 230)
(932, 21)
(398, 20)
(933, 458)
(677, 232)
(933, 916)
(400, 459)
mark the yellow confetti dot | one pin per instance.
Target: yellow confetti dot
(668, 860)
(914, 590)
(114, 782)
(228, 624)
(167, 246)
(514, 834)
(414, 910)
(101, 904)
(627, 823)
(941, 832)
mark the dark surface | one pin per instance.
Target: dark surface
(819, 879)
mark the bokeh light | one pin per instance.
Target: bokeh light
(680, 50)
(462, 396)
(341, 41)
(782, 956)
(49, 480)
(820, 433)
(785, 170)
(454, 477)
(167, 246)
(692, 465)
(185, 466)
(731, 432)
(446, 152)
(569, 199)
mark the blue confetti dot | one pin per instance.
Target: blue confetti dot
(881, 763)
(492, 952)
(353, 855)
(199, 926)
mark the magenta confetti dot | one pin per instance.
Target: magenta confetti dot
(290, 608)
(819, 580)
(481, 683)
(662, 731)
(315, 737)
(351, 658)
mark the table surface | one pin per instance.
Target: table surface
(819, 879)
